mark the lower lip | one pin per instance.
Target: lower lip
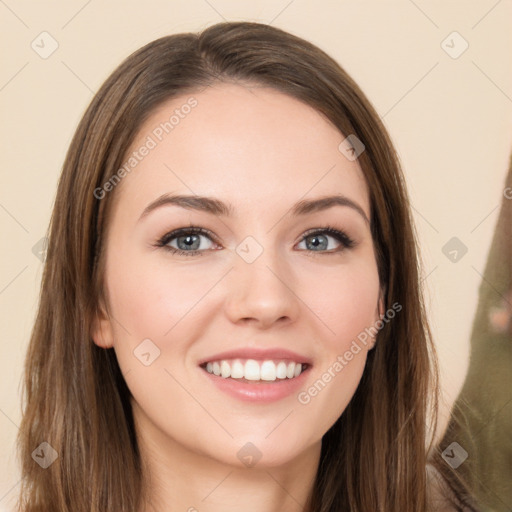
(259, 391)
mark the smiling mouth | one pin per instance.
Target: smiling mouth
(252, 370)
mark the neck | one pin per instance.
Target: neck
(183, 479)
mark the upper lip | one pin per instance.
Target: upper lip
(258, 354)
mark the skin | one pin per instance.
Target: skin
(261, 151)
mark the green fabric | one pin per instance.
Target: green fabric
(482, 415)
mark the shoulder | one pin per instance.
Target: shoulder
(440, 496)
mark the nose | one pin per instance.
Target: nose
(262, 292)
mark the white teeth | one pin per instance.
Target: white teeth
(225, 369)
(281, 370)
(268, 370)
(237, 370)
(254, 370)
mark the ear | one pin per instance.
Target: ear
(101, 329)
(379, 313)
(380, 306)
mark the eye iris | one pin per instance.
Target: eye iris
(322, 245)
(189, 242)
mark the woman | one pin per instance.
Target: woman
(191, 351)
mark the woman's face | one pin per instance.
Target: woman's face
(264, 286)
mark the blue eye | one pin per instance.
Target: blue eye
(186, 238)
(323, 234)
(189, 240)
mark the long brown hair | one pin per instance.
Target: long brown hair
(75, 397)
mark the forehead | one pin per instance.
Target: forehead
(251, 146)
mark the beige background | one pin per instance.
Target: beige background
(450, 119)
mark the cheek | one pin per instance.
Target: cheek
(150, 297)
(345, 300)
(347, 307)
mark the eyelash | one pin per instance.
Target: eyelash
(341, 236)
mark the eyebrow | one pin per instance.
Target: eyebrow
(216, 207)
